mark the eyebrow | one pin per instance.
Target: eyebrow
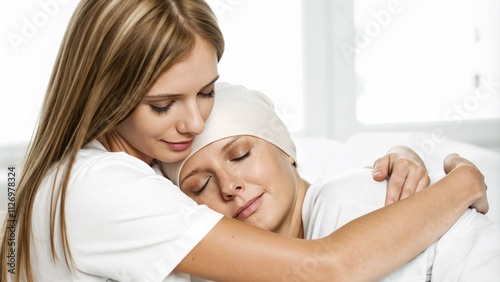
(236, 138)
(193, 172)
(196, 171)
(171, 95)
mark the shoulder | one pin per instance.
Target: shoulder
(352, 185)
(118, 211)
(93, 159)
(118, 180)
(332, 201)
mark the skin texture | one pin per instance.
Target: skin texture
(397, 233)
(173, 112)
(407, 172)
(249, 179)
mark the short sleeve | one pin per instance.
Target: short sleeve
(129, 224)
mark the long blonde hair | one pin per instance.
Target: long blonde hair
(111, 54)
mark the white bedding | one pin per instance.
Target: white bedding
(469, 251)
(317, 156)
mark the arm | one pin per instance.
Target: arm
(234, 251)
(405, 170)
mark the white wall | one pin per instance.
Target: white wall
(30, 35)
(289, 49)
(264, 51)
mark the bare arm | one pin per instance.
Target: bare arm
(369, 247)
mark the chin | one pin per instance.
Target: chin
(172, 157)
(264, 226)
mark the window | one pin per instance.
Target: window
(332, 67)
(403, 65)
(426, 61)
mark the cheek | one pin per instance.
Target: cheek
(205, 107)
(267, 167)
(142, 126)
(148, 123)
(130, 126)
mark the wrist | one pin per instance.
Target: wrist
(471, 181)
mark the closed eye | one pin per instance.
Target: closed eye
(160, 109)
(208, 95)
(241, 158)
(199, 191)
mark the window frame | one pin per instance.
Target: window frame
(330, 101)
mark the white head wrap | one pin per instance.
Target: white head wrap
(238, 111)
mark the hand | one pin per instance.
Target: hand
(453, 162)
(405, 171)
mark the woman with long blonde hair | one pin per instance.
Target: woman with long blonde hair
(133, 82)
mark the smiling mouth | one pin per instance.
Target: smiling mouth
(179, 146)
(249, 208)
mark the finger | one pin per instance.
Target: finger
(381, 168)
(395, 187)
(482, 206)
(401, 170)
(416, 180)
(423, 183)
(450, 161)
(392, 196)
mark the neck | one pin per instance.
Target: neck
(295, 228)
(114, 142)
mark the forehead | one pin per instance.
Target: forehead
(209, 154)
(226, 143)
(190, 74)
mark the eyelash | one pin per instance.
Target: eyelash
(209, 95)
(238, 159)
(241, 158)
(160, 109)
(198, 192)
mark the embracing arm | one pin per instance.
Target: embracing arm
(369, 247)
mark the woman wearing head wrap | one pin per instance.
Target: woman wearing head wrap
(244, 166)
(133, 81)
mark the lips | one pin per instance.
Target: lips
(179, 146)
(249, 208)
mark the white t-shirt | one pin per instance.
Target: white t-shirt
(124, 222)
(469, 251)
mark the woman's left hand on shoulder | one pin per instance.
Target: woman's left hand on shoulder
(405, 171)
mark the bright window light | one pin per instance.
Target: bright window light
(424, 61)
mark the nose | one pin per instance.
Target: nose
(231, 185)
(191, 120)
